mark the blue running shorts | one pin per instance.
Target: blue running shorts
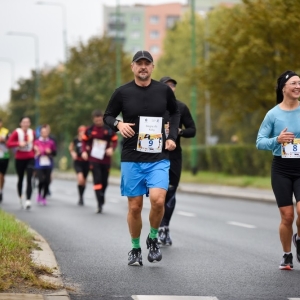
(137, 178)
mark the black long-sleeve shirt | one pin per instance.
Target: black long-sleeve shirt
(188, 131)
(134, 101)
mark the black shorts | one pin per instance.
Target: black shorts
(175, 171)
(3, 165)
(285, 178)
(82, 166)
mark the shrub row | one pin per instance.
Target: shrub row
(229, 159)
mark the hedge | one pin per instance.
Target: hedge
(230, 159)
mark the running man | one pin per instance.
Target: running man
(281, 126)
(98, 145)
(145, 163)
(4, 156)
(81, 166)
(175, 157)
(22, 139)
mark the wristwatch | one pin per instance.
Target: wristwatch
(116, 123)
(180, 131)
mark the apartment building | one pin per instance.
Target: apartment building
(145, 26)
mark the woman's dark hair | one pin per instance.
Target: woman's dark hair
(24, 117)
(281, 81)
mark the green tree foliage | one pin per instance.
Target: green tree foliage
(70, 92)
(22, 102)
(250, 45)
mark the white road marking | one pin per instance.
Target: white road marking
(186, 214)
(144, 297)
(293, 298)
(241, 224)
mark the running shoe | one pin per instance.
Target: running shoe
(297, 245)
(286, 262)
(168, 240)
(39, 199)
(154, 254)
(44, 201)
(80, 202)
(99, 210)
(135, 257)
(161, 236)
(27, 204)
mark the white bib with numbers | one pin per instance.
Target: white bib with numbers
(150, 136)
(291, 150)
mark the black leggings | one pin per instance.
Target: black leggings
(100, 177)
(170, 202)
(285, 177)
(22, 166)
(44, 177)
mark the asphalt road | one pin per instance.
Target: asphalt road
(222, 248)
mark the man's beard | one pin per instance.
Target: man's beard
(143, 77)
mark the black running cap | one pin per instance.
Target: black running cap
(166, 79)
(142, 54)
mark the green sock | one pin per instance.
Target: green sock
(135, 243)
(153, 233)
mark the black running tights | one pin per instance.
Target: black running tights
(22, 166)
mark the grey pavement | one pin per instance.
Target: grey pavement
(45, 256)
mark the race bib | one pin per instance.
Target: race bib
(98, 148)
(150, 136)
(291, 150)
(44, 161)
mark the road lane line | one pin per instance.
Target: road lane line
(241, 224)
(186, 214)
(146, 297)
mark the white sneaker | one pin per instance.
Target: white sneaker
(27, 204)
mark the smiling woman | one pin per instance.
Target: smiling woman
(280, 133)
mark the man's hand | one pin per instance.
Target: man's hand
(84, 155)
(125, 129)
(170, 145)
(74, 155)
(109, 151)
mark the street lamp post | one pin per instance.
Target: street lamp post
(118, 46)
(37, 75)
(12, 65)
(194, 88)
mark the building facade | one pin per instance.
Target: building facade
(143, 27)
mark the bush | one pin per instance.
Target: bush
(230, 159)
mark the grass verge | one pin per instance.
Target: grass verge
(16, 267)
(204, 177)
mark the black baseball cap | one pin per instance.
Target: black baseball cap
(166, 79)
(142, 54)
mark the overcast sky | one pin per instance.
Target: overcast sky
(84, 19)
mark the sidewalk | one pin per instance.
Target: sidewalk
(46, 256)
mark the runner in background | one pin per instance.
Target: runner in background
(4, 156)
(81, 166)
(45, 149)
(175, 157)
(99, 143)
(22, 139)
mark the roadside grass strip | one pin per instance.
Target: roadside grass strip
(16, 267)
